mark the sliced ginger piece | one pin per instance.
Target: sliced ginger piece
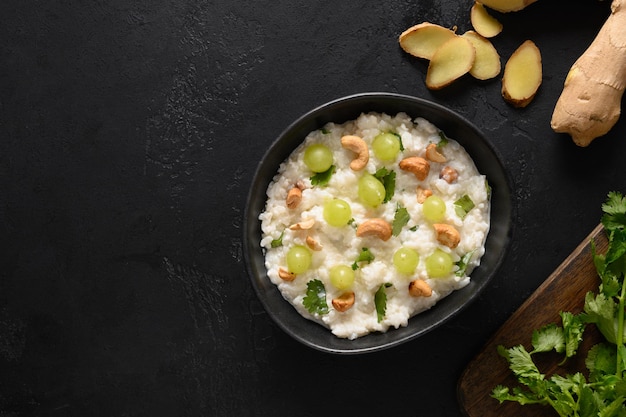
(487, 63)
(451, 61)
(424, 39)
(522, 75)
(506, 6)
(484, 23)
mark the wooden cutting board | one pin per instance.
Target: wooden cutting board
(564, 290)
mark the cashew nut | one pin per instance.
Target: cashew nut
(447, 235)
(303, 225)
(423, 194)
(433, 154)
(417, 165)
(344, 302)
(294, 197)
(286, 275)
(449, 174)
(358, 146)
(375, 227)
(313, 244)
(420, 288)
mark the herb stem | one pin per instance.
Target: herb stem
(620, 329)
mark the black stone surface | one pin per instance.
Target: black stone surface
(129, 134)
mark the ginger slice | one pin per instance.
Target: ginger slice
(487, 63)
(522, 75)
(484, 23)
(424, 39)
(505, 6)
(451, 61)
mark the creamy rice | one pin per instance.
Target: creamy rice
(340, 245)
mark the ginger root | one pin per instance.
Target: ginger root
(522, 75)
(589, 105)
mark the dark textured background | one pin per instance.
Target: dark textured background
(129, 132)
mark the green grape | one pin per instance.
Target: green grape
(386, 146)
(298, 259)
(318, 157)
(438, 264)
(405, 260)
(337, 212)
(434, 208)
(341, 276)
(371, 191)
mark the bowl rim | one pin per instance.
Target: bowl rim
(373, 344)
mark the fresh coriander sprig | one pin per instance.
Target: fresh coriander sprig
(604, 392)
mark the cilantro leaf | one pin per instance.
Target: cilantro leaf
(604, 394)
(315, 299)
(380, 301)
(548, 338)
(443, 139)
(463, 263)
(323, 178)
(278, 241)
(463, 205)
(399, 140)
(388, 179)
(400, 219)
(364, 256)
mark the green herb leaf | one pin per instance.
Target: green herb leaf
(604, 394)
(463, 263)
(315, 299)
(400, 219)
(399, 140)
(364, 256)
(380, 301)
(388, 179)
(278, 241)
(443, 139)
(463, 205)
(323, 178)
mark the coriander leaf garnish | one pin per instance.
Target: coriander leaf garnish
(443, 139)
(322, 178)
(400, 219)
(399, 140)
(463, 263)
(463, 205)
(388, 179)
(380, 301)
(364, 256)
(603, 392)
(278, 241)
(315, 299)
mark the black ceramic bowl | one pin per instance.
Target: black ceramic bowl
(342, 110)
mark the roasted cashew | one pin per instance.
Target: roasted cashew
(313, 244)
(420, 288)
(294, 197)
(449, 174)
(433, 154)
(286, 275)
(423, 194)
(375, 227)
(358, 146)
(417, 165)
(344, 302)
(303, 225)
(447, 235)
